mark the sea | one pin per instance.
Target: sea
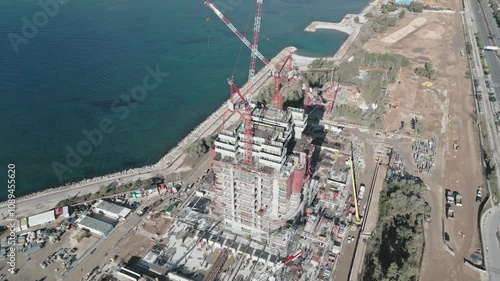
(93, 87)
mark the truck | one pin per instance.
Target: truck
(450, 199)
(361, 191)
(458, 199)
(450, 213)
(490, 48)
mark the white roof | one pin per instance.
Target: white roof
(66, 211)
(112, 208)
(41, 218)
(94, 224)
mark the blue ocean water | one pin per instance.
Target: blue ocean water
(70, 74)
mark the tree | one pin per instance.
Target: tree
(402, 14)
(492, 98)
(197, 149)
(394, 249)
(427, 71)
(416, 7)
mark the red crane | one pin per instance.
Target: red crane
(277, 96)
(246, 114)
(255, 44)
(235, 31)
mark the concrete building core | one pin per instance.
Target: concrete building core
(257, 200)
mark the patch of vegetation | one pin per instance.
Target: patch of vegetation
(373, 86)
(382, 23)
(391, 62)
(373, 117)
(492, 98)
(480, 45)
(388, 8)
(468, 47)
(427, 71)
(348, 112)
(402, 14)
(395, 248)
(200, 147)
(415, 7)
(494, 5)
(496, 14)
(105, 191)
(292, 94)
(321, 63)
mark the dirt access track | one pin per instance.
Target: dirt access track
(445, 106)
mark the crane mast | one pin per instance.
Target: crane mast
(277, 96)
(246, 114)
(236, 32)
(255, 43)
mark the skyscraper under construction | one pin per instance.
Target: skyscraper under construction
(260, 198)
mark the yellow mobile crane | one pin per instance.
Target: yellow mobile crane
(357, 219)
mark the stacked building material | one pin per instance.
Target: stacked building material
(396, 170)
(424, 152)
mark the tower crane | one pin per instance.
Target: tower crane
(246, 114)
(357, 219)
(236, 32)
(255, 43)
(277, 96)
(253, 48)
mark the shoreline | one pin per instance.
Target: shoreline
(170, 162)
(173, 159)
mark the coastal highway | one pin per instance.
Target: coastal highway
(490, 33)
(491, 220)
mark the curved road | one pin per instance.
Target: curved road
(490, 223)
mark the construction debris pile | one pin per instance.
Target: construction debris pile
(423, 155)
(396, 170)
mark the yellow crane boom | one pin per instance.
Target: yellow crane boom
(357, 219)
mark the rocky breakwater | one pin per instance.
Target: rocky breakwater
(206, 128)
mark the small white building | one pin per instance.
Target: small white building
(111, 210)
(175, 277)
(42, 218)
(127, 274)
(95, 226)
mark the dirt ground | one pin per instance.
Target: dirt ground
(446, 109)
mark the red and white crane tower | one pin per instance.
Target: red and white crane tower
(277, 96)
(246, 111)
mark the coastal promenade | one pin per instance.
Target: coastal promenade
(39, 201)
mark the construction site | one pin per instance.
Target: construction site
(295, 192)
(291, 191)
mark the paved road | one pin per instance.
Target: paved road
(485, 22)
(479, 24)
(490, 223)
